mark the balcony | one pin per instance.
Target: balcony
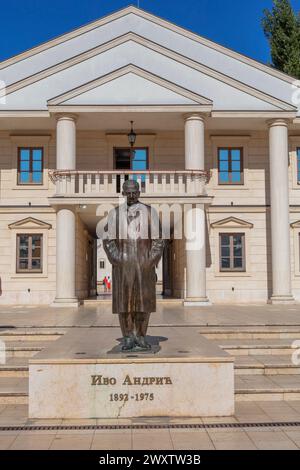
(108, 184)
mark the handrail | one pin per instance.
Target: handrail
(71, 183)
(56, 173)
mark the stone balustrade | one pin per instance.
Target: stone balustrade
(75, 183)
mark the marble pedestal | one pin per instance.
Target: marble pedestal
(85, 375)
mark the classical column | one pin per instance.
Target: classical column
(195, 256)
(280, 220)
(65, 258)
(194, 142)
(66, 142)
(65, 217)
(195, 226)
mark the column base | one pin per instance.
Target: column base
(196, 302)
(65, 303)
(281, 300)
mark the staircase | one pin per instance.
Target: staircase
(263, 360)
(21, 344)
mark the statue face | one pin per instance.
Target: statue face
(132, 193)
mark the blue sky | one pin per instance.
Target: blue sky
(233, 23)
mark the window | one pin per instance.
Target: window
(30, 165)
(131, 159)
(127, 159)
(29, 253)
(140, 159)
(230, 166)
(102, 264)
(298, 165)
(232, 252)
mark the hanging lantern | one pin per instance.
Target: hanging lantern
(132, 136)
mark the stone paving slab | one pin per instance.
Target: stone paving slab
(167, 314)
(266, 437)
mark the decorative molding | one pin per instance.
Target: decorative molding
(30, 223)
(131, 109)
(198, 99)
(255, 114)
(295, 224)
(31, 226)
(25, 114)
(159, 49)
(231, 222)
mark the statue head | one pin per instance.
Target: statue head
(131, 190)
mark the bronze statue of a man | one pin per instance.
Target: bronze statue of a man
(134, 246)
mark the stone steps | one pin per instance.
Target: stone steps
(244, 347)
(254, 332)
(265, 365)
(244, 365)
(263, 361)
(33, 334)
(15, 367)
(13, 390)
(31, 338)
(25, 348)
(20, 345)
(263, 388)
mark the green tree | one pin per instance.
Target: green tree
(281, 26)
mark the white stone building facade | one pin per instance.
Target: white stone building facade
(215, 130)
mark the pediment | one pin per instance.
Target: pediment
(129, 85)
(66, 62)
(114, 75)
(295, 224)
(30, 223)
(231, 222)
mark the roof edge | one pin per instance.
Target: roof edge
(158, 20)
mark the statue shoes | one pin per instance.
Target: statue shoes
(141, 343)
(128, 343)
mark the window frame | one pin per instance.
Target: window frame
(128, 148)
(295, 227)
(231, 255)
(230, 182)
(30, 182)
(29, 270)
(102, 261)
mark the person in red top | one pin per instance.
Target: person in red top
(108, 283)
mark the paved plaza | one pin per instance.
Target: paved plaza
(156, 434)
(169, 313)
(272, 423)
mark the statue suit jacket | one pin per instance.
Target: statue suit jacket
(134, 246)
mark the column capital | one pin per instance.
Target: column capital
(66, 117)
(278, 122)
(194, 117)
